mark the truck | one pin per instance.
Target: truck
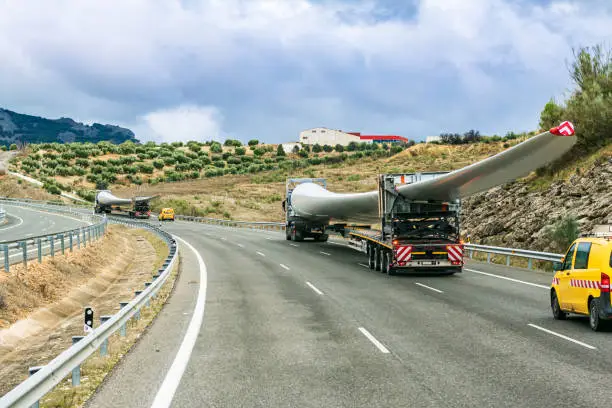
(137, 207)
(412, 235)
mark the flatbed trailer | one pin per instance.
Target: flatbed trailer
(415, 236)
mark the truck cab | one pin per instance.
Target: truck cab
(297, 228)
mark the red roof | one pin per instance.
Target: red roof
(383, 137)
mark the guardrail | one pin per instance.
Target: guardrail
(44, 379)
(45, 244)
(264, 225)
(510, 252)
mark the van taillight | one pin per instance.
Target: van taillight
(604, 285)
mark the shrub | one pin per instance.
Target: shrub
(240, 151)
(280, 151)
(145, 168)
(316, 148)
(563, 232)
(303, 153)
(352, 146)
(259, 152)
(339, 148)
(169, 161)
(253, 142)
(216, 147)
(158, 164)
(13, 146)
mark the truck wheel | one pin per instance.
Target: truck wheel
(387, 264)
(321, 238)
(288, 234)
(371, 257)
(558, 314)
(378, 255)
(298, 236)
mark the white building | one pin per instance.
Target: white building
(430, 139)
(324, 136)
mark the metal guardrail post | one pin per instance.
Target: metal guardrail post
(63, 244)
(507, 260)
(6, 257)
(147, 284)
(84, 238)
(529, 263)
(78, 235)
(52, 245)
(39, 247)
(488, 257)
(104, 345)
(24, 246)
(123, 330)
(32, 371)
(70, 236)
(137, 314)
(76, 372)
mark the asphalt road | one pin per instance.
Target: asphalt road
(308, 325)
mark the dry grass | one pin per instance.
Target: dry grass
(17, 188)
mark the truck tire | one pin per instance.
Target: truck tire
(297, 235)
(378, 259)
(288, 234)
(321, 238)
(387, 264)
(371, 257)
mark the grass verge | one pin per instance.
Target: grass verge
(95, 369)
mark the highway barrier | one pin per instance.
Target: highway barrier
(44, 378)
(23, 250)
(253, 225)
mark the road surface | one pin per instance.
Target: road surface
(309, 325)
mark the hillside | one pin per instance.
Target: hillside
(18, 128)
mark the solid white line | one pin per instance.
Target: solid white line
(508, 279)
(166, 391)
(314, 288)
(240, 245)
(13, 226)
(428, 287)
(373, 340)
(364, 265)
(259, 253)
(325, 253)
(223, 238)
(562, 336)
(295, 245)
(284, 266)
(269, 239)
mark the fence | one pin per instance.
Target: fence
(44, 379)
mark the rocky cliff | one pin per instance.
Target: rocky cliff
(16, 128)
(517, 214)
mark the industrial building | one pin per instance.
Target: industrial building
(324, 136)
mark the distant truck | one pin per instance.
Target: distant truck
(417, 236)
(137, 207)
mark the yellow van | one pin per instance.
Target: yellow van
(166, 214)
(581, 283)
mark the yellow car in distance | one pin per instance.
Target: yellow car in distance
(166, 214)
(581, 283)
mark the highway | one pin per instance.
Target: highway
(26, 222)
(307, 324)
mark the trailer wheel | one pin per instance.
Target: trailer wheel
(371, 257)
(288, 233)
(387, 264)
(378, 256)
(321, 238)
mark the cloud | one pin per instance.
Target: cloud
(183, 123)
(275, 67)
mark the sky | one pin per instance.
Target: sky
(267, 69)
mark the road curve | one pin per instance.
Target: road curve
(28, 222)
(306, 324)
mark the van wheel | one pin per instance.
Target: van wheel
(594, 321)
(558, 314)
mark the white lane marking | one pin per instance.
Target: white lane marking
(269, 239)
(12, 226)
(373, 340)
(562, 336)
(295, 245)
(364, 265)
(284, 266)
(428, 287)
(537, 285)
(261, 254)
(240, 245)
(314, 288)
(166, 391)
(325, 253)
(223, 239)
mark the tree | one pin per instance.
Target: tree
(472, 136)
(13, 146)
(259, 152)
(280, 151)
(339, 148)
(296, 149)
(306, 147)
(253, 142)
(101, 185)
(563, 232)
(551, 115)
(327, 148)
(240, 151)
(303, 153)
(352, 147)
(316, 148)
(216, 147)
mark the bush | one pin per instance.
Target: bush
(563, 233)
(339, 148)
(303, 153)
(280, 151)
(13, 146)
(169, 161)
(352, 146)
(259, 152)
(253, 142)
(240, 151)
(328, 148)
(194, 147)
(145, 168)
(316, 148)
(216, 148)
(158, 164)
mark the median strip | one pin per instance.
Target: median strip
(377, 343)
(562, 336)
